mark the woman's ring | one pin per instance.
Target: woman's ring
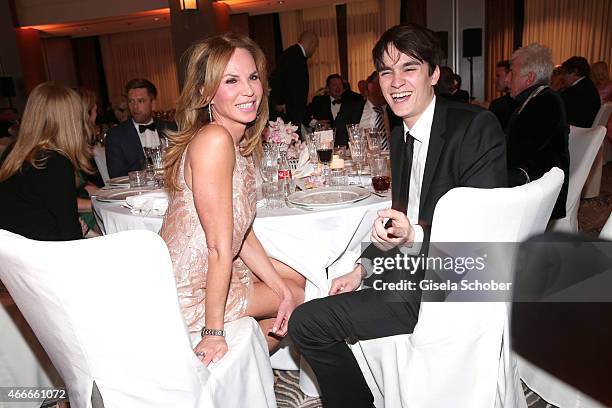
(201, 354)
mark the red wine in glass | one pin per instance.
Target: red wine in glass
(325, 155)
(381, 183)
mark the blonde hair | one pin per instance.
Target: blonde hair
(53, 119)
(206, 62)
(600, 73)
(88, 99)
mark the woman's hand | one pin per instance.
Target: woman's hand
(211, 348)
(285, 308)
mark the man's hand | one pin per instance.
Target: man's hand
(348, 282)
(400, 231)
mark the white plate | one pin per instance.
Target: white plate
(119, 181)
(116, 196)
(328, 196)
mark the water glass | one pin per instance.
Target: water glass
(269, 164)
(273, 193)
(375, 139)
(338, 177)
(137, 178)
(358, 154)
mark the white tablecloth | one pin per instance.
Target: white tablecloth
(308, 241)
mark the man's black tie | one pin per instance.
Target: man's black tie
(336, 102)
(151, 126)
(404, 186)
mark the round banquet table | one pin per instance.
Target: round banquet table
(320, 244)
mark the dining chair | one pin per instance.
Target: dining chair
(459, 353)
(115, 325)
(584, 144)
(606, 230)
(593, 183)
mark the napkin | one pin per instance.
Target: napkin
(154, 202)
(304, 168)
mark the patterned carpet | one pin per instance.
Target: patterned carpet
(592, 215)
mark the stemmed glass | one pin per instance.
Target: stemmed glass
(269, 163)
(358, 149)
(324, 141)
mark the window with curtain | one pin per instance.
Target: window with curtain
(364, 26)
(570, 28)
(499, 39)
(141, 54)
(321, 20)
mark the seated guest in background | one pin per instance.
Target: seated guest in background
(222, 271)
(467, 148)
(447, 86)
(37, 172)
(580, 94)
(537, 132)
(375, 113)
(459, 94)
(363, 88)
(336, 108)
(348, 92)
(556, 79)
(125, 143)
(504, 106)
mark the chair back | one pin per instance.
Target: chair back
(114, 320)
(584, 143)
(99, 155)
(606, 231)
(603, 114)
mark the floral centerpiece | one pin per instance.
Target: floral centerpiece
(284, 136)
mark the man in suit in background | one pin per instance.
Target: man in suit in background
(375, 113)
(537, 132)
(125, 143)
(580, 95)
(440, 145)
(504, 106)
(289, 81)
(336, 108)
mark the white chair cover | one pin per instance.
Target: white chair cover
(606, 231)
(117, 321)
(459, 354)
(593, 182)
(583, 146)
(100, 158)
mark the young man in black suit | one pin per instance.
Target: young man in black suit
(440, 145)
(125, 143)
(337, 108)
(580, 95)
(537, 132)
(504, 106)
(289, 81)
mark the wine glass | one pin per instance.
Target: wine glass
(324, 141)
(358, 149)
(269, 163)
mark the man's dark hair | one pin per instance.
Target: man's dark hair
(332, 76)
(142, 83)
(457, 78)
(410, 39)
(578, 65)
(505, 64)
(372, 77)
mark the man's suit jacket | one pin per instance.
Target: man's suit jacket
(467, 148)
(320, 109)
(289, 83)
(581, 103)
(538, 141)
(124, 151)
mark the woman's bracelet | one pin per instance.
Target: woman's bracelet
(212, 332)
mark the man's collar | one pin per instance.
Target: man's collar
(136, 124)
(522, 97)
(303, 51)
(421, 129)
(578, 80)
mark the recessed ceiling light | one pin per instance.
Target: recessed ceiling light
(281, 1)
(156, 19)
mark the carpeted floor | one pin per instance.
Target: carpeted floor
(592, 215)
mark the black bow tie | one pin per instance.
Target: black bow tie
(336, 102)
(151, 126)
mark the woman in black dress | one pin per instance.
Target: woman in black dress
(38, 195)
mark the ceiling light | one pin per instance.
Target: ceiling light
(188, 4)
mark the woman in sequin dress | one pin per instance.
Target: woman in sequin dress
(222, 271)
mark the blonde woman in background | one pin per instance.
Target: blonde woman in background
(222, 271)
(37, 172)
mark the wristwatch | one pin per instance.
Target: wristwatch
(212, 332)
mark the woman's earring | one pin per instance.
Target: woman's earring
(210, 115)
